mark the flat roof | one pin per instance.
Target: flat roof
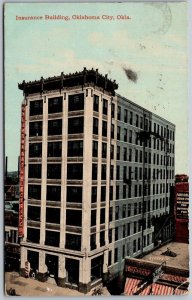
(181, 261)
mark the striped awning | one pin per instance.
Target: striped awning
(180, 292)
(161, 289)
(131, 286)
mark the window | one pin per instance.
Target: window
(104, 150)
(103, 172)
(113, 110)
(135, 208)
(118, 113)
(52, 238)
(118, 133)
(134, 227)
(131, 118)
(109, 258)
(75, 125)
(137, 121)
(36, 107)
(129, 210)
(93, 241)
(94, 194)
(104, 128)
(95, 103)
(103, 193)
(94, 171)
(93, 217)
(54, 149)
(74, 217)
(76, 102)
(75, 171)
(35, 128)
(125, 115)
(112, 151)
(73, 242)
(75, 148)
(53, 171)
(95, 125)
(130, 136)
(33, 235)
(34, 171)
(105, 104)
(125, 135)
(111, 193)
(102, 216)
(102, 238)
(134, 246)
(128, 229)
(55, 127)
(116, 212)
(116, 255)
(112, 131)
(34, 191)
(124, 211)
(53, 215)
(34, 213)
(35, 150)
(110, 214)
(117, 172)
(124, 191)
(55, 105)
(74, 194)
(53, 192)
(141, 122)
(116, 234)
(136, 155)
(136, 173)
(117, 192)
(118, 152)
(111, 172)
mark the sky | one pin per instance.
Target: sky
(152, 43)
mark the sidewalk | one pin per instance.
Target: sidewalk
(31, 287)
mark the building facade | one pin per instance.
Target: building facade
(181, 208)
(97, 173)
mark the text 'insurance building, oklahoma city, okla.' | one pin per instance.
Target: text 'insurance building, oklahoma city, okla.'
(97, 172)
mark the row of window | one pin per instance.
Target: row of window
(156, 159)
(141, 122)
(138, 190)
(55, 105)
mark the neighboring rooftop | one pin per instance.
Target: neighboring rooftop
(69, 80)
(181, 260)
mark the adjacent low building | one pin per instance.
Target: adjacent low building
(96, 173)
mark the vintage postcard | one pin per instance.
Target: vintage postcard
(96, 149)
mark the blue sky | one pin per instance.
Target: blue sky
(153, 43)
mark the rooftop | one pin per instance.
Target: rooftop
(181, 261)
(69, 80)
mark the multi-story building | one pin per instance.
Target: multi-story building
(181, 208)
(96, 175)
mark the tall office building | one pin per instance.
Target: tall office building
(95, 177)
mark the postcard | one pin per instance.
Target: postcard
(96, 149)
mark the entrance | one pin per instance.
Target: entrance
(72, 268)
(52, 265)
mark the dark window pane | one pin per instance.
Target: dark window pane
(75, 148)
(52, 238)
(53, 171)
(75, 171)
(34, 213)
(95, 125)
(33, 235)
(53, 215)
(75, 125)
(34, 192)
(76, 102)
(74, 194)
(73, 242)
(95, 103)
(35, 128)
(74, 217)
(54, 149)
(55, 105)
(55, 127)
(34, 171)
(35, 150)
(36, 107)
(53, 193)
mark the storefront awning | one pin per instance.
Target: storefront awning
(131, 286)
